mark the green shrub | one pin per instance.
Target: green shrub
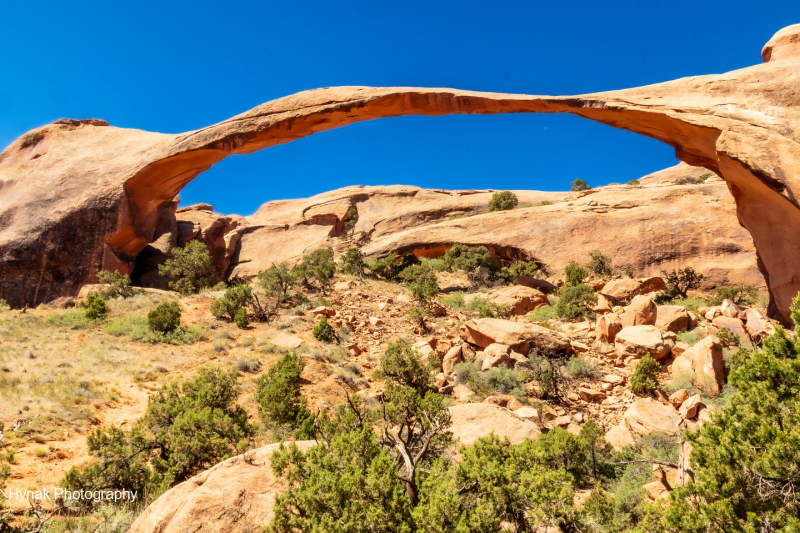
(743, 295)
(645, 375)
(455, 300)
(280, 400)
(352, 262)
(241, 319)
(684, 380)
(421, 282)
(403, 365)
(729, 338)
(463, 257)
(543, 313)
(165, 318)
(633, 183)
(186, 429)
(234, 299)
(96, 307)
(599, 264)
(575, 273)
(70, 319)
(488, 309)
(191, 265)
(316, 269)
(278, 281)
(504, 380)
(691, 337)
(521, 268)
(119, 286)
(579, 185)
(691, 180)
(583, 368)
(137, 328)
(502, 201)
(418, 315)
(691, 304)
(323, 331)
(575, 301)
(679, 282)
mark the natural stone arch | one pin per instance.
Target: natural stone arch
(743, 125)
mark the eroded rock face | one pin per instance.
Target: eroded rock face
(235, 496)
(79, 196)
(472, 421)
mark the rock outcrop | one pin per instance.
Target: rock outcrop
(472, 421)
(80, 196)
(235, 496)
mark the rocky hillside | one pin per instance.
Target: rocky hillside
(656, 225)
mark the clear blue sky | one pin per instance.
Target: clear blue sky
(177, 66)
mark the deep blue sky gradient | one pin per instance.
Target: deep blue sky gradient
(177, 66)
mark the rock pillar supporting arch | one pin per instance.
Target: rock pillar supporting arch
(743, 125)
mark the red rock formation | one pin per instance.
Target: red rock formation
(79, 196)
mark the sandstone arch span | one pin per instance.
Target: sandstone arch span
(78, 196)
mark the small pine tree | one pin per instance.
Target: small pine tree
(191, 265)
(579, 185)
(280, 400)
(165, 318)
(503, 201)
(599, 264)
(575, 273)
(645, 375)
(96, 307)
(278, 281)
(119, 286)
(352, 262)
(323, 331)
(680, 282)
(240, 319)
(575, 301)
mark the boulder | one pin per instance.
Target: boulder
(678, 397)
(730, 309)
(689, 408)
(522, 300)
(674, 318)
(655, 490)
(603, 305)
(284, 340)
(613, 379)
(619, 437)
(607, 328)
(451, 359)
(235, 496)
(496, 355)
(711, 313)
(646, 416)
(736, 326)
(652, 284)
(327, 311)
(757, 324)
(705, 361)
(471, 421)
(679, 348)
(521, 337)
(622, 289)
(637, 341)
(538, 284)
(527, 413)
(641, 312)
(590, 395)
